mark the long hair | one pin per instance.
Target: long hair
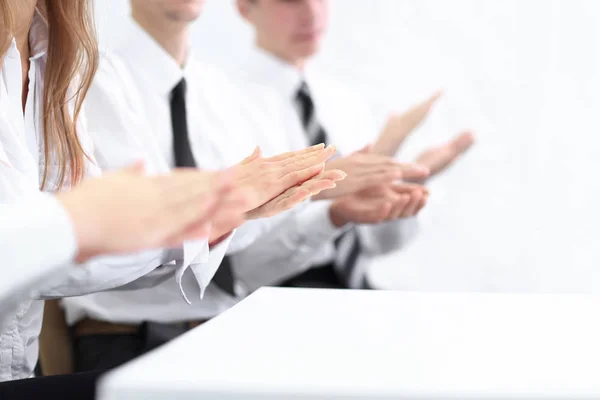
(7, 27)
(70, 68)
(72, 60)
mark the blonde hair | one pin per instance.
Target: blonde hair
(7, 26)
(72, 60)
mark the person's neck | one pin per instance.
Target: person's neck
(173, 37)
(298, 63)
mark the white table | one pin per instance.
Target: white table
(309, 344)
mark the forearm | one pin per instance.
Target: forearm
(102, 273)
(288, 249)
(387, 237)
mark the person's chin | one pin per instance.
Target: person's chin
(184, 17)
(308, 49)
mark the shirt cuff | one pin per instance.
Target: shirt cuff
(314, 223)
(194, 252)
(204, 272)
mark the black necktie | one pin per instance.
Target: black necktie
(185, 158)
(181, 141)
(316, 134)
(308, 116)
(351, 259)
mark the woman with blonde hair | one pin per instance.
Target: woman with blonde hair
(48, 56)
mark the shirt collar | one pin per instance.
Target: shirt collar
(157, 68)
(267, 69)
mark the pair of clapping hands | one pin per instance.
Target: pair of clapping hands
(377, 187)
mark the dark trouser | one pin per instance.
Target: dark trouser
(64, 387)
(107, 351)
(318, 277)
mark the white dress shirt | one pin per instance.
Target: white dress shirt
(308, 239)
(21, 166)
(128, 114)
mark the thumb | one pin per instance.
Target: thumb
(367, 149)
(463, 142)
(255, 154)
(434, 97)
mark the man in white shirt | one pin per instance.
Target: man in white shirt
(287, 36)
(130, 115)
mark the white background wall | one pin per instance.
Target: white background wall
(521, 211)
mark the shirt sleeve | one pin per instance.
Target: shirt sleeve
(37, 240)
(289, 248)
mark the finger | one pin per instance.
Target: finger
(297, 177)
(439, 158)
(418, 112)
(434, 98)
(411, 208)
(422, 203)
(384, 212)
(335, 175)
(404, 124)
(397, 171)
(463, 142)
(291, 154)
(412, 171)
(399, 206)
(454, 149)
(367, 149)
(372, 164)
(317, 186)
(304, 160)
(255, 154)
(378, 160)
(283, 202)
(408, 187)
(383, 173)
(296, 197)
(375, 179)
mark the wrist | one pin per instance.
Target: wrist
(87, 232)
(218, 240)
